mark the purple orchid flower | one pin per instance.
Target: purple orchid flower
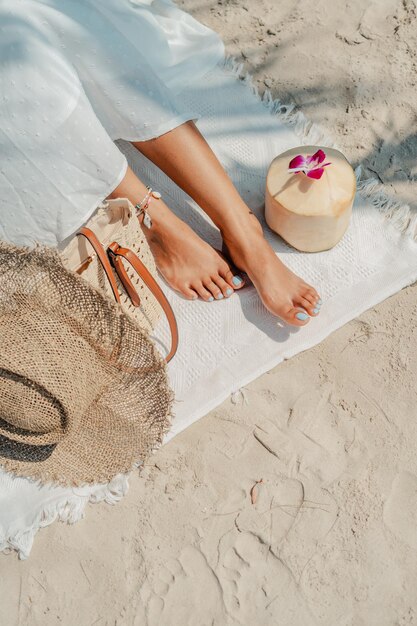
(312, 166)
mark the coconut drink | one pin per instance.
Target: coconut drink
(309, 196)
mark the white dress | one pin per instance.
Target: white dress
(75, 75)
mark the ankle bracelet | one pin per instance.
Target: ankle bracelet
(144, 203)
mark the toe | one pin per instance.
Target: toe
(189, 293)
(311, 295)
(289, 312)
(311, 308)
(224, 287)
(204, 293)
(298, 316)
(214, 289)
(233, 278)
(228, 271)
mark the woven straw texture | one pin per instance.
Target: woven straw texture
(115, 220)
(83, 390)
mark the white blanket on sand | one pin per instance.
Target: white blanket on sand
(229, 343)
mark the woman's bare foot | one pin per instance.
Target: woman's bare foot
(282, 292)
(186, 157)
(188, 264)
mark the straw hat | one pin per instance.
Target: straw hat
(83, 390)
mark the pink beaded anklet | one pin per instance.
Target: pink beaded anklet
(143, 205)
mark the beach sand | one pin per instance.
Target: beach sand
(329, 537)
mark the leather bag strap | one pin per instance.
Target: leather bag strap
(150, 282)
(102, 257)
(124, 278)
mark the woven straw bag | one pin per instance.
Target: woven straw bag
(112, 254)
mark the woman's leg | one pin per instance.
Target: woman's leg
(184, 155)
(189, 264)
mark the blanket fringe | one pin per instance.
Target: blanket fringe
(308, 132)
(69, 510)
(399, 214)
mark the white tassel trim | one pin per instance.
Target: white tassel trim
(69, 510)
(308, 132)
(399, 214)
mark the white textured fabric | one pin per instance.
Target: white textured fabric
(74, 76)
(225, 344)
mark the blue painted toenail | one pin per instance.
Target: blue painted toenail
(219, 296)
(316, 310)
(301, 316)
(237, 280)
(319, 302)
(211, 299)
(229, 292)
